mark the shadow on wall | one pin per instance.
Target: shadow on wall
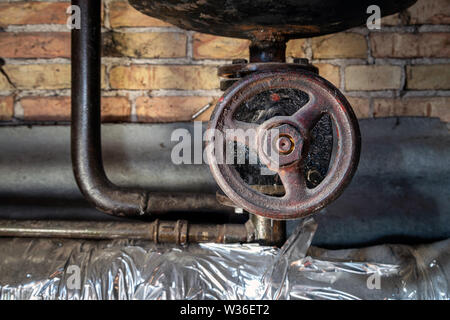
(400, 191)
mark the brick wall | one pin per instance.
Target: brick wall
(154, 72)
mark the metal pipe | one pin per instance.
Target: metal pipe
(268, 231)
(86, 133)
(268, 51)
(179, 232)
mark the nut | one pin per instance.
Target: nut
(284, 144)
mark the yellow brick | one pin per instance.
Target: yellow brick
(296, 48)
(4, 84)
(428, 77)
(213, 47)
(361, 106)
(440, 108)
(121, 14)
(150, 44)
(42, 76)
(340, 45)
(410, 45)
(329, 72)
(417, 106)
(372, 77)
(32, 12)
(164, 77)
(39, 76)
(392, 20)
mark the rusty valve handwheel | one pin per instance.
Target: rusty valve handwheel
(289, 141)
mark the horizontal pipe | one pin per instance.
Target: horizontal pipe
(179, 232)
(86, 147)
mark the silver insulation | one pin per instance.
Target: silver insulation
(125, 269)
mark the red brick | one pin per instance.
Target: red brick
(33, 12)
(6, 108)
(58, 109)
(172, 109)
(35, 45)
(116, 109)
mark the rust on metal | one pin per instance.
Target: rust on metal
(179, 232)
(86, 147)
(267, 231)
(244, 69)
(266, 20)
(298, 200)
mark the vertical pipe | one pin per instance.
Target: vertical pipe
(86, 120)
(268, 231)
(268, 51)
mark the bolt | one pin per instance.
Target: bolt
(285, 144)
(301, 61)
(239, 61)
(314, 176)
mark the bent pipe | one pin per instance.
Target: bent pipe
(86, 150)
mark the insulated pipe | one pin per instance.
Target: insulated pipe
(86, 133)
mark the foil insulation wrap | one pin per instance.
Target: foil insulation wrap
(122, 269)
